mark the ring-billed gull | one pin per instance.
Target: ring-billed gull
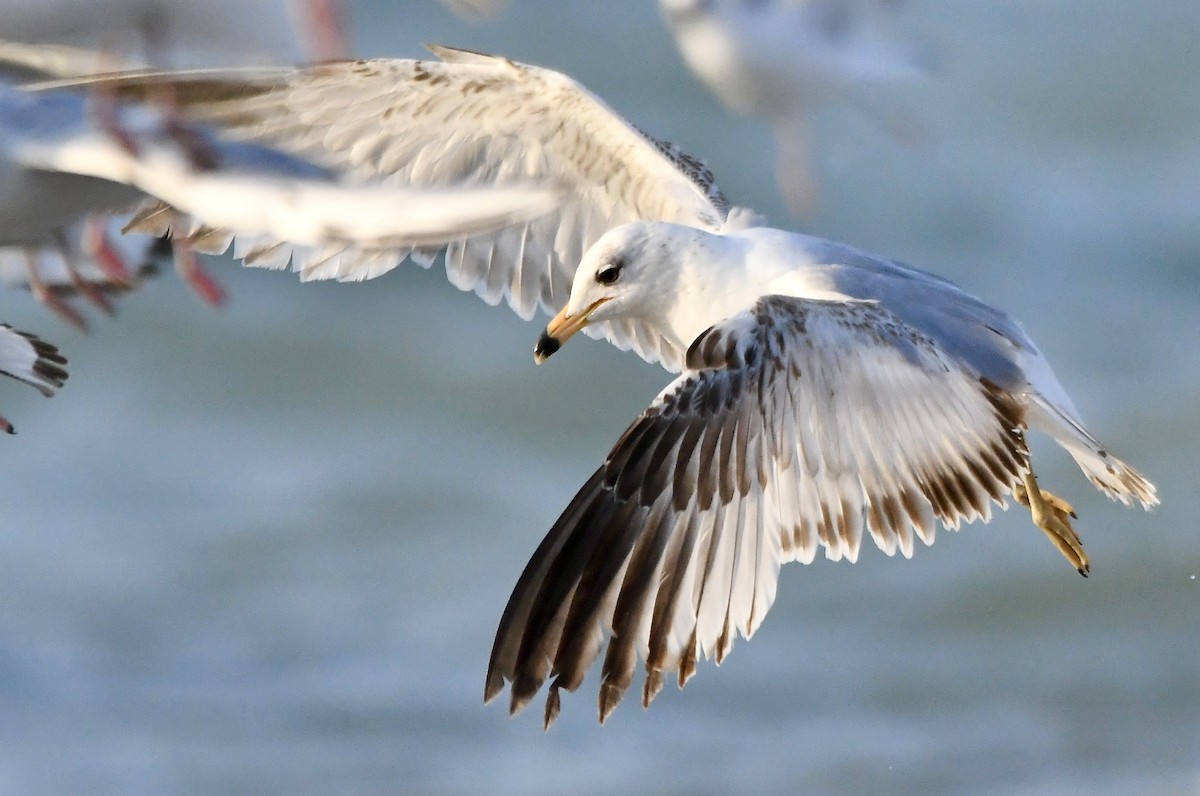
(824, 392)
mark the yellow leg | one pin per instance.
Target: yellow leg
(1053, 515)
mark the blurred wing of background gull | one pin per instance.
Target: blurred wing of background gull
(58, 162)
(782, 60)
(63, 163)
(79, 37)
(75, 38)
(267, 559)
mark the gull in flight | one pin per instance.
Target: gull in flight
(823, 394)
(782, 59)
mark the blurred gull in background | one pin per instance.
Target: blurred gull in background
(76, 38)
(81, 37)
(782, 59)
(58, 162)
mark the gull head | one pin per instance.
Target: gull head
(625, 274)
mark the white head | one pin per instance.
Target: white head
(628, 273)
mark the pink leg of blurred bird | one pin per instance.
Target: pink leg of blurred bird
(6, 426)
(95, 243)
(325, 32)
(89, 290)
(793, 168)
(92, 292)
(102, 104)
(187, 264)
(51, 300)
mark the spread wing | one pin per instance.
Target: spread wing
(798, 424)
(468, 119)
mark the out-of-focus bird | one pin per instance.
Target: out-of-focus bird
(57, 163)
(75, 38)
(782, 59)
(80, 37)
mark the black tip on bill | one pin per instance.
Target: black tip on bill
(546, 345)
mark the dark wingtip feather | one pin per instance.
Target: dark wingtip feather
(687, 662)
(52, 373)
(492, 687)
(610, 697)
(724, 641)
(553, 707)
(652, 686)
(45, 350)
(522, 691)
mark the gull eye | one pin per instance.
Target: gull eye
(609, 274)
